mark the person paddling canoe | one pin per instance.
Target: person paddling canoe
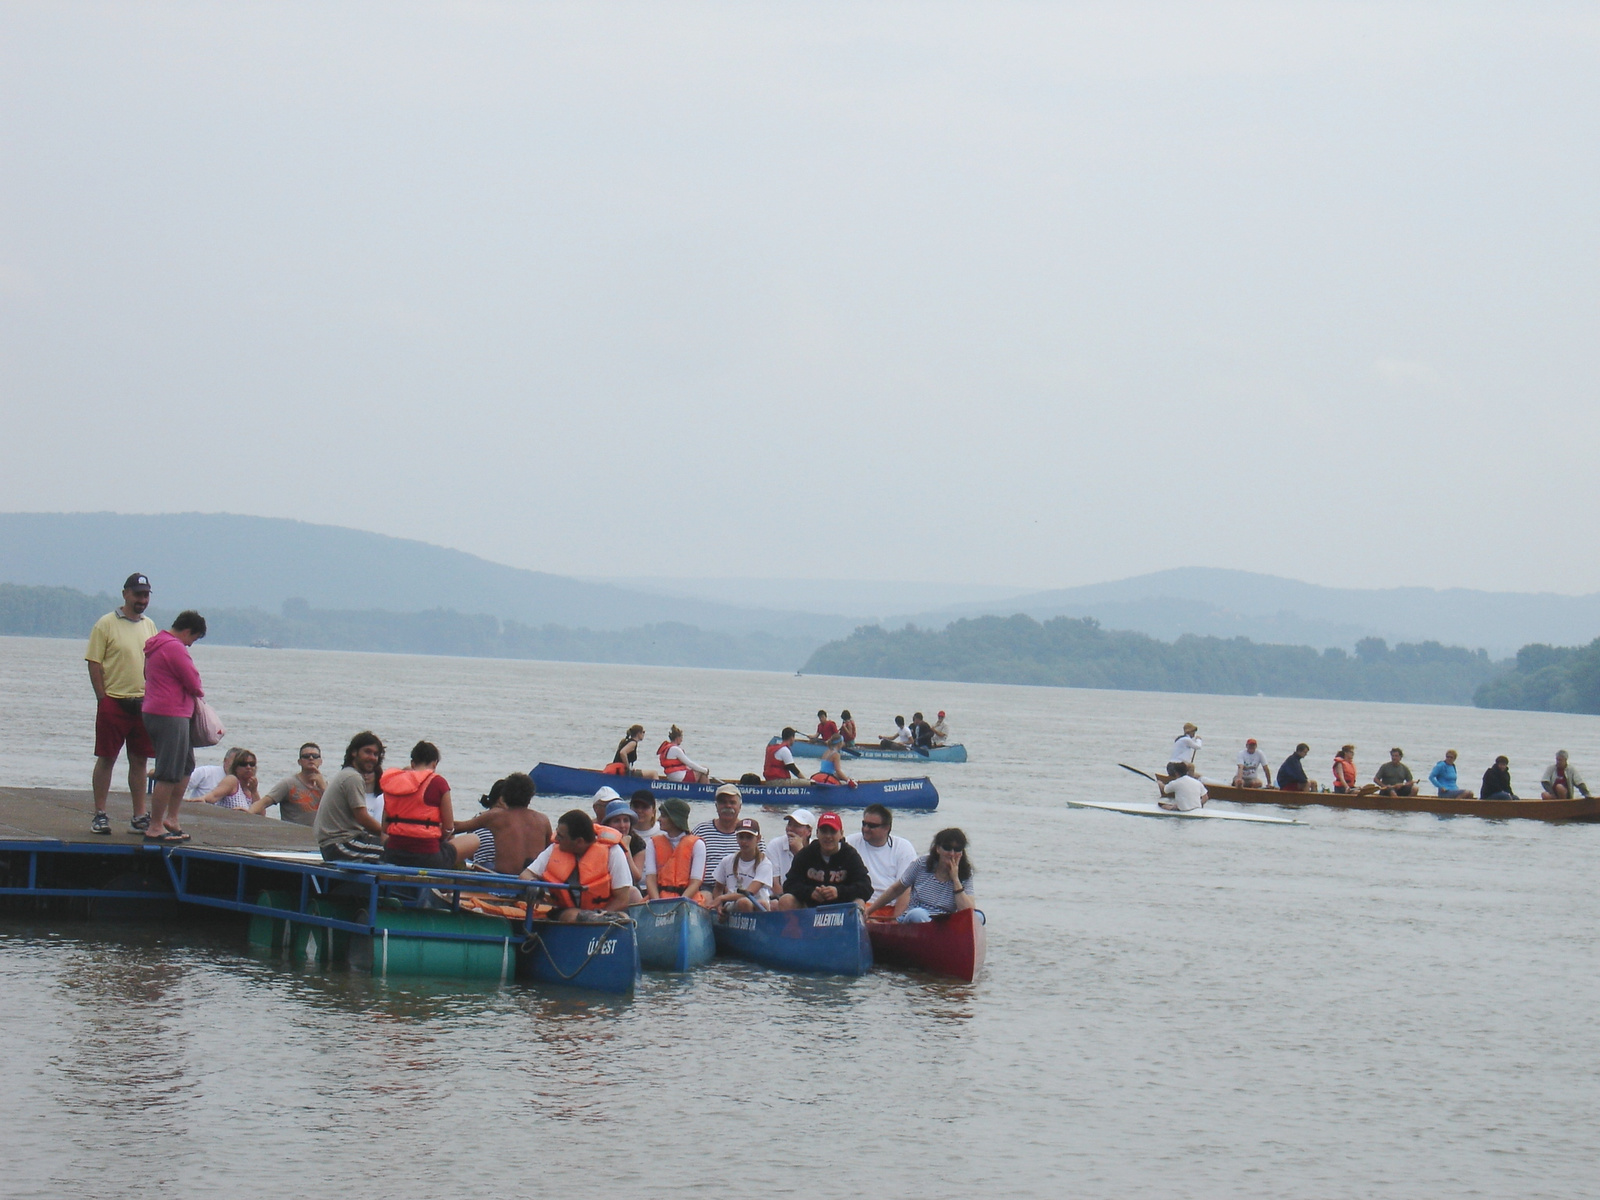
(1184, 748)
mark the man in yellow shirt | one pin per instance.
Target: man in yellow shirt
(116, 672)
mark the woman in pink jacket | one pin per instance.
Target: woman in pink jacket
(171, 685)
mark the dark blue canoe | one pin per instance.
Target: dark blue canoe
(674, 934)
(949, 754)
(601, 956)
(919, 793)
(831, 940)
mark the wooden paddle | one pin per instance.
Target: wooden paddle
(1136, 771)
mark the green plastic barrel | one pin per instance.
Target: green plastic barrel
(408, 942)
(270, 934)
(318, 943)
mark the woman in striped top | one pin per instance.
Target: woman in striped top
(939, 884)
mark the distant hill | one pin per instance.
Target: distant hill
(220, 560)
(1548, 679)
(1224, 603)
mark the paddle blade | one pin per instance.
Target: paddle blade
(1136, 771)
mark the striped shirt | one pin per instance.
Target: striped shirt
(718, 846)
(929, 891)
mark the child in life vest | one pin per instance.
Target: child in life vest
(743, 881)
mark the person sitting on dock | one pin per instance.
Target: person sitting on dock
(1184, 747)
(1443, 777)
(1292, 774)
(620, 817)
(1561, 779)
(675, 764)
(1394, 777)
(827, 871)
(206, 777)
(344, 829)
(1253, 771)
(885, 854)
(1187, 792)
(900, 739)
(578, 856)
(796, 837)
(643, 803)
(297, 796)
(509, 834)
(941, 731)
(238, 789)
(826, 729)
(1344, 770)
(675, 859)
(830, 771)
(779, 765)
(720, 835)
(938, 884)
(743, 881)
(417, 820)
(1497, 781)
(847, 729)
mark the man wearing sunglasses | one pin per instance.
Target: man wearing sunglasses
(886, 855)
(297, 796)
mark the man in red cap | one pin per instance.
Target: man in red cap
(941, 731)
(1253, 771)
(826, 871)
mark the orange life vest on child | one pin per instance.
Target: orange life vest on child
(772, 768)
(674, 867)
(404, 813)
(593, 871)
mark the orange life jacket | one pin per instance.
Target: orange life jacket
(404, 813)
(772, 768)
(674, 867)
(671, 766)
(593, 871)
(1344, 772)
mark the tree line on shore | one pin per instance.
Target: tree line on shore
(1062, 652)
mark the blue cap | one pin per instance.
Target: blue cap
(618, 808)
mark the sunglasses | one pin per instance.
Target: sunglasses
(872, 824)
(311, 758)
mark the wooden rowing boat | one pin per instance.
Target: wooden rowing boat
(1580, 809)
(552, 779)
(945, 754)
(948, 945)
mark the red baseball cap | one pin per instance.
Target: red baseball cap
(830, 821)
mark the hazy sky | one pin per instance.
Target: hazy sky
(1025, 294)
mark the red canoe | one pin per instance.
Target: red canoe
(952, 945)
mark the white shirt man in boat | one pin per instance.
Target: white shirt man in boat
(886, 855)
(1253, 771)
(1184, 748)
(900, 739)
(782, 849)
(1187, 792)
(941, 731)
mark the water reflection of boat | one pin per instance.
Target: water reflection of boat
(674, 934)
(948, 945)
(830, 940)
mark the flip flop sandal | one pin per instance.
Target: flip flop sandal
(177, 835)
(160, 839)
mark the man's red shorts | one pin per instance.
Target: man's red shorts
(114, 725)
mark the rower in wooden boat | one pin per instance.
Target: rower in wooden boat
(827, 871)
(1252, 771)
(580, 855)
(781, 850)
(1184, 747)
(1344, 769)
(743, 880)
(1561, 779)
(1394, 778)
(942, 882)
(1292, 775)
(1443, 777)
(1497, 781)
(1186, 791)
(779, 766)
(675, 859)
(830, 771)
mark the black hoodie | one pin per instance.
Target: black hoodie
(845, 871)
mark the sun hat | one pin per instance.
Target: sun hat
(618, 808)
(676, 811)
(830, 820)
(729, 789)
(606, 793)
(1190, 727)
(802, 816)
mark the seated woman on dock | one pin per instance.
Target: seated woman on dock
(830, 770)
(418, 824)
(939, 884)
(743, 880)
(239, 788)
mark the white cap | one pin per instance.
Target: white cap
(606, 793)
(803, 816)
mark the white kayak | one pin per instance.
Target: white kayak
(1155, 810)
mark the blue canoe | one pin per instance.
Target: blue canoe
(674, 934)
(919, 793)
(950, 754)
(831, 940)
(600, 956)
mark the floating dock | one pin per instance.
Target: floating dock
(389, 920)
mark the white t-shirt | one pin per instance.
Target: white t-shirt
(941, 733)
(621, 876)
(697, 865)
(902, 736)
(885, 862)
(375, 806)
(784, 755)
(733, 874)
(1251, 764)
(781, 857)
(675, 754)
(1186, 791)
(1184, 749)
(202, 781)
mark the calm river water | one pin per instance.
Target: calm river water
(1364, 1006)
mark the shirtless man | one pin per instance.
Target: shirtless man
(508, 838)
